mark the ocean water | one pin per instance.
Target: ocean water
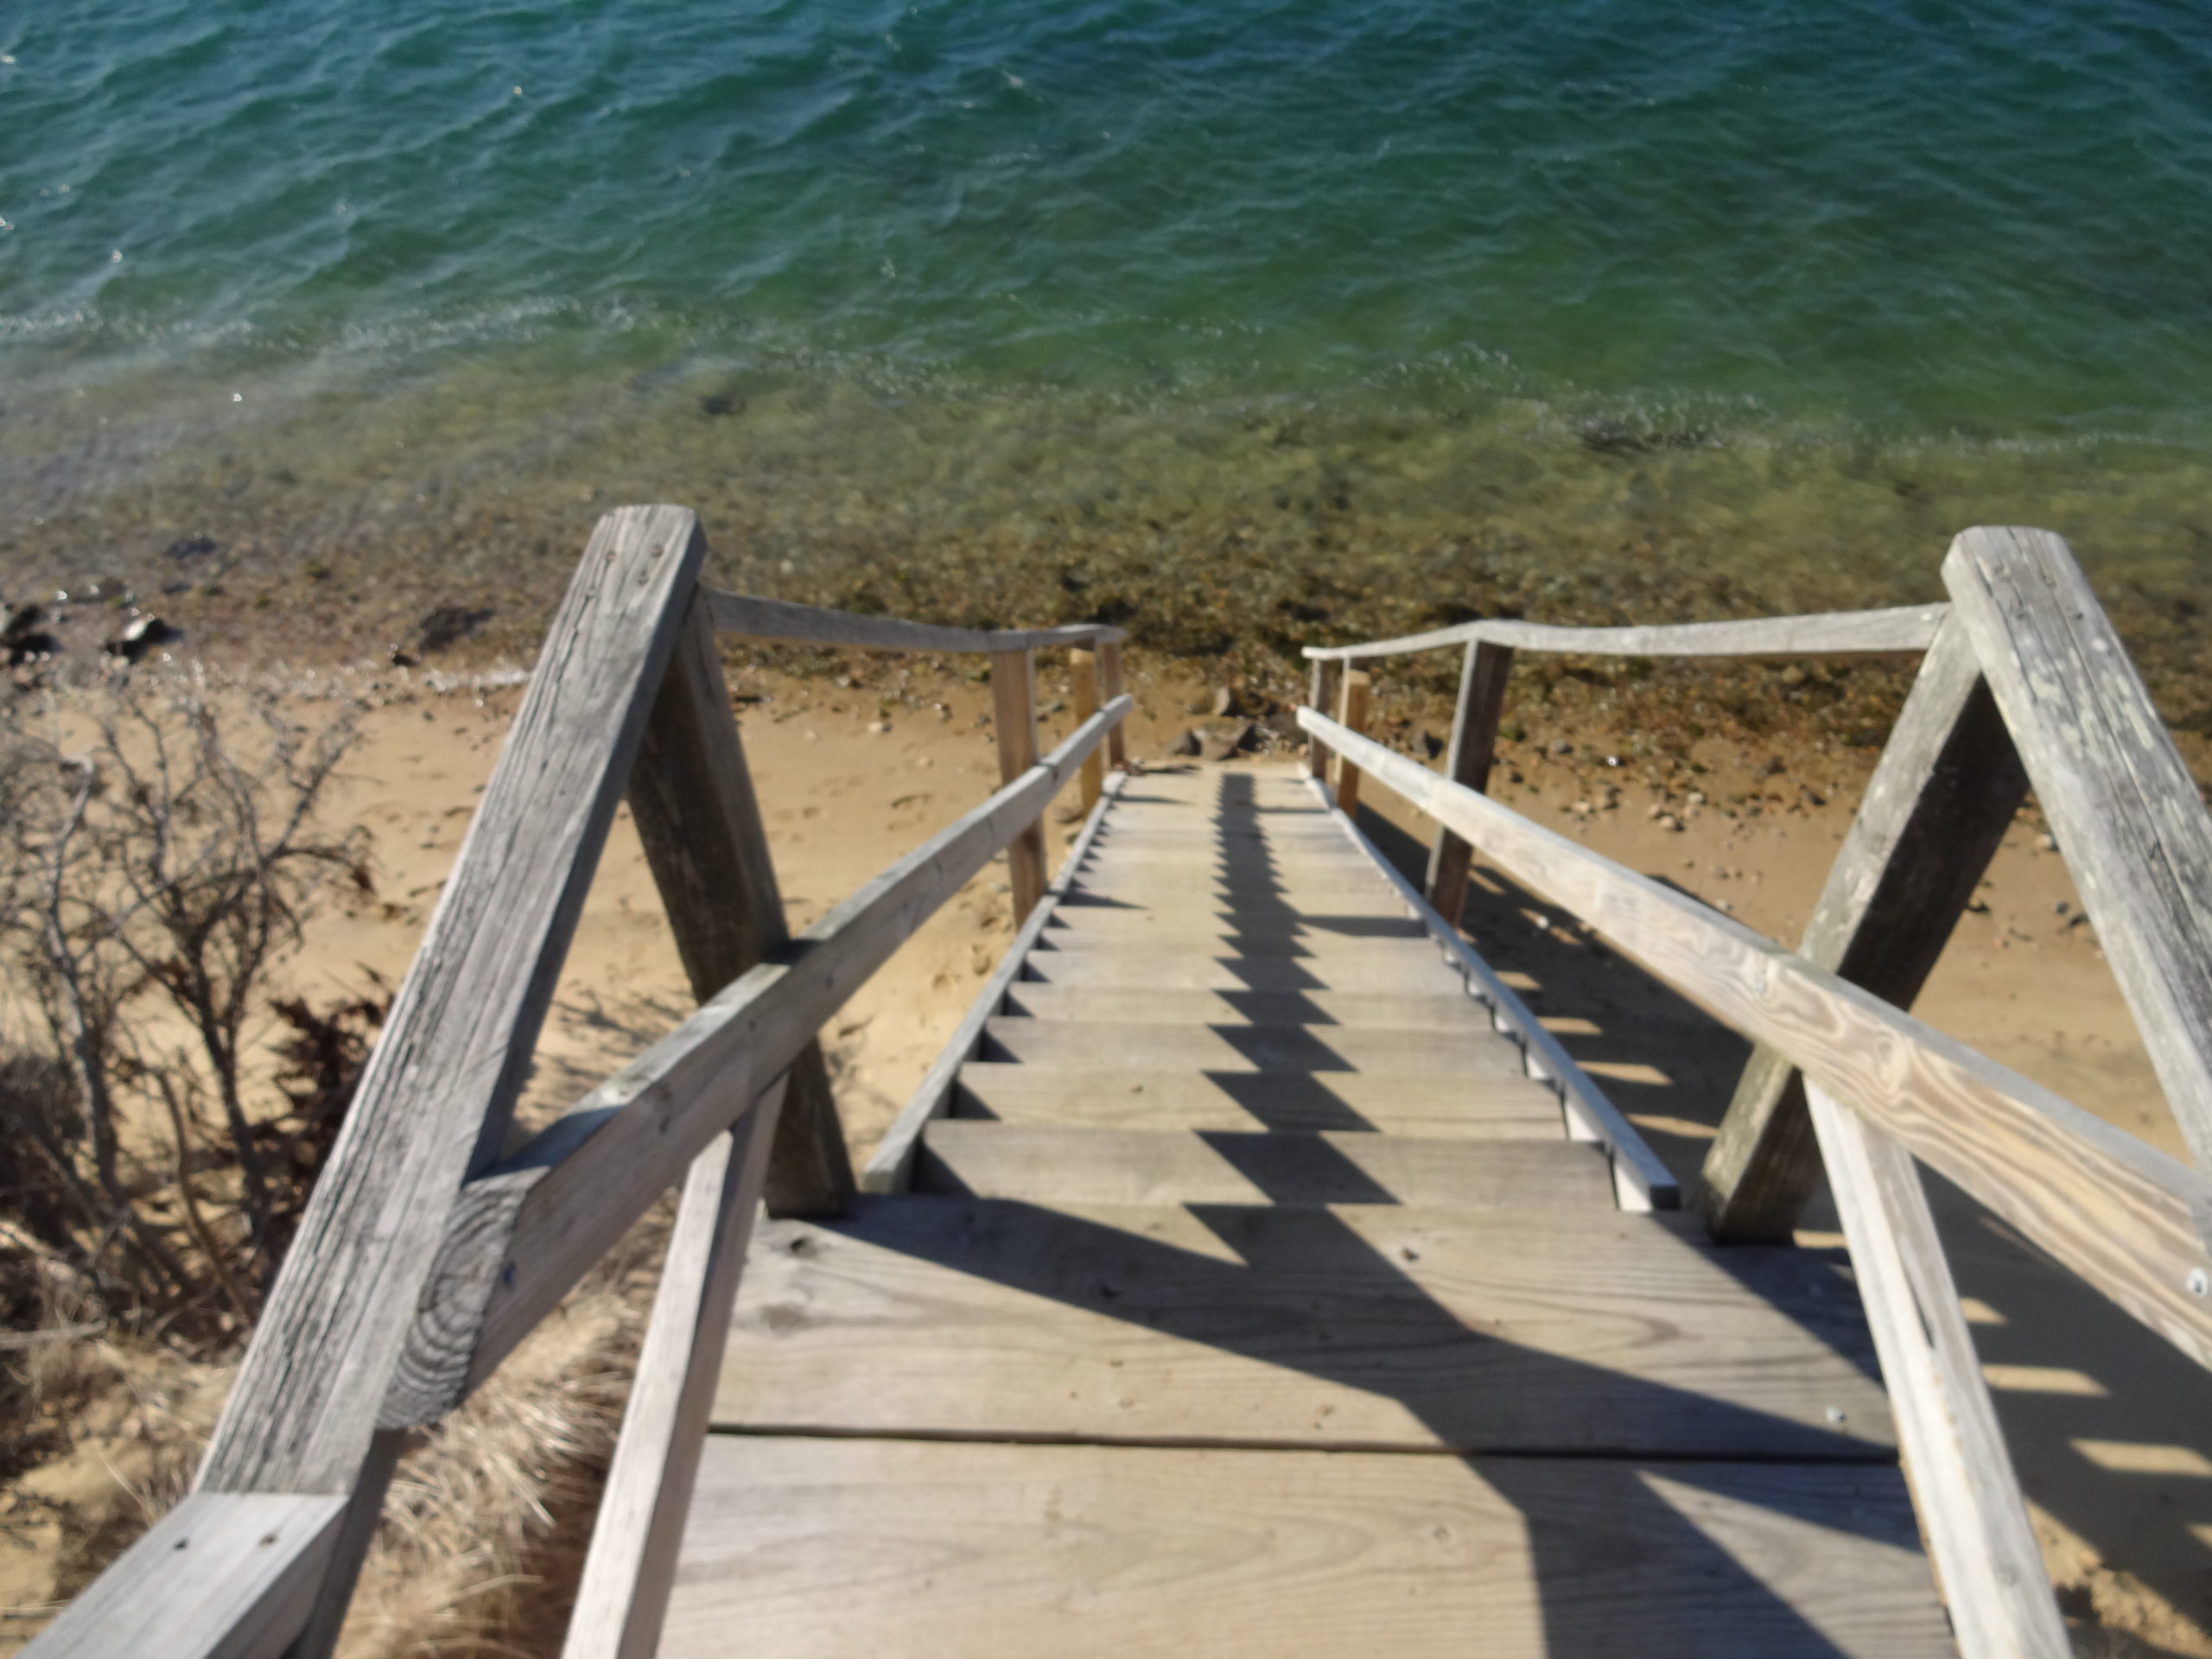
(1593, 308)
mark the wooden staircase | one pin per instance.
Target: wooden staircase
(1253, 1298)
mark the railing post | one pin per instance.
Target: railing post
(1937, 806)
(1322, 698)
(1109, 687)
(1082, 685)
(1986, 1558)
(1351, 716)
(1474, 739)
(692, 798)
(1013, 711)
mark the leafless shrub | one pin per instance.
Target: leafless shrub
(154, 867)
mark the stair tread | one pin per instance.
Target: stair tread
(1123, 1096)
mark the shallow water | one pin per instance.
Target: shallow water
(1343, 311)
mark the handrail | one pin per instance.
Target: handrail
(781, 620)
(2118, 1212)
(523, 1234)
(1639, 1178)
(1898, 631)
(421, 1263)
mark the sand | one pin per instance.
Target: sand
(2104, 1420)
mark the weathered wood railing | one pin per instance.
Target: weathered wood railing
(2024, 683)
(429, 1248)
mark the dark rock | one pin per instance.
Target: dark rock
(402, 657)
(21, 619)
(1189, 743)
(1431, 745)
(194, 547)
(1240, 740)
(448, 625)
(716, 405)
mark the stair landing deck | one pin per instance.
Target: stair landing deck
(1253, 1298)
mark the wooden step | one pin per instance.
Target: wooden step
(1137, 925)
(1372, 1010)
(1352, 910)
(1248, 942)
(1423, 972)
(1062, 1166)
(826, 1550)
(1571, 1330)
(1478, 1108)
(1250, 1048)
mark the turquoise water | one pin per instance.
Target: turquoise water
(249, 239)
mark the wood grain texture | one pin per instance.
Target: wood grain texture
(521, 1235)
(1934, 812)
(1082, 692)
(1644, 1182)
(1014, 716)
(777, 619)
(1053, 1166)
(1469, 1050)
(1110, 687)
(1322, 694)
(622, 1592)
(1414, 973)
(435, 1099)
(2119, 797)
(1989, 1565)
(1901, 631)
(2111, 1208)
(1353, 699)
(1130, 1097)
(824, 1551)
(692, 798)
(1342, 944)
(890, 1164)
(1365, 1327)
(1474, 739)
(223, 1575)
(1146, 1005)
(1115, 925)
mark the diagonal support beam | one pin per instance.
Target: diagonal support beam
(1935, 810)
(699, 818)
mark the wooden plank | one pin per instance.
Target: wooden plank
(2110, 1208)
(1365, 1327)
(1013, 714)
(1322, 695)
(1418, 972)
(825, 1549)
(223, 1575)
(1259, 926)
(1351, 710)
(2126, 814)
(622, 1592)
(692, 798)
(1227, 895)
(1941, 799)
(780, 619)
(1144, 1005)
(888, 1164)
(1988, 1562)
(1056, 1166)
(1643, 1182)
(1082, 689)
(1250, 1048)
(435, 1099)
(523, 1233)
(1900, 632)
(1128, 1096)
(1474, 739)
(1110, 687)
(1305, 944)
